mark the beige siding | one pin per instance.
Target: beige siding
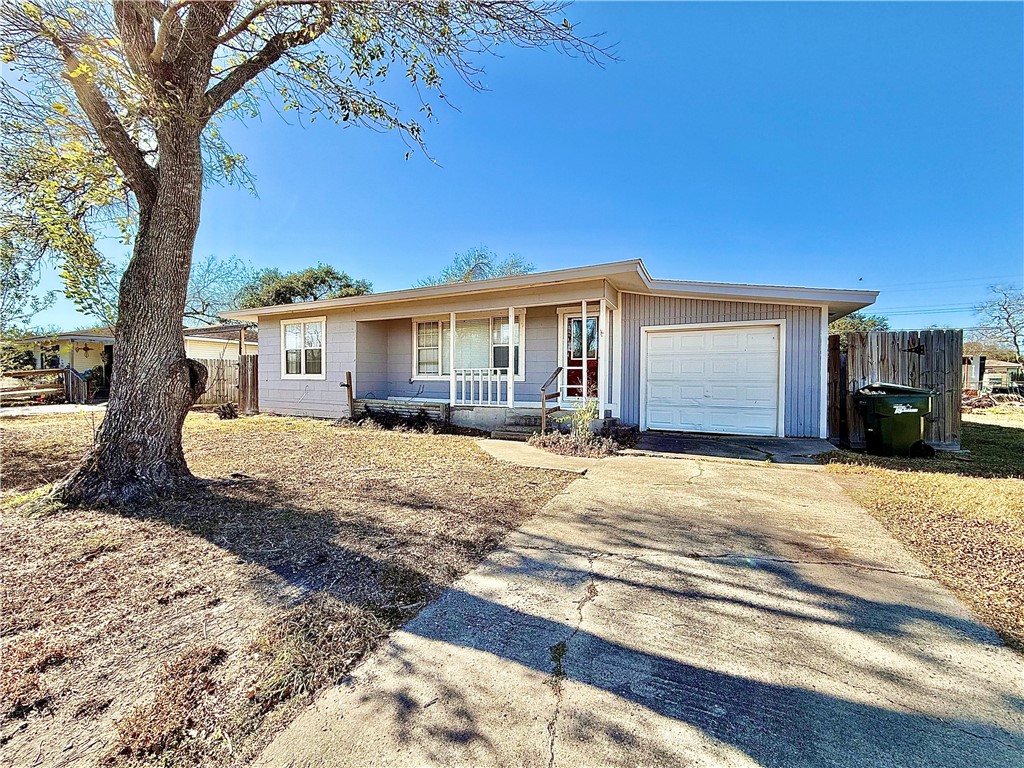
(803, 348)
(226, 349)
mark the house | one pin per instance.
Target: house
(661, 354)
(1002, 374)
(91, 350)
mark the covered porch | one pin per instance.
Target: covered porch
(494, 363)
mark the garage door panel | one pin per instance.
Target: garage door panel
(713, 380)
(726, 364)
(661, 366)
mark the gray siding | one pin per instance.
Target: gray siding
(803, 348)
(371, 359)
(308, 397)
(541, 355)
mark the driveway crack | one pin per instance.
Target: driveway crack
(559, 651)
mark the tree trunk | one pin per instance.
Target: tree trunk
(138, 454)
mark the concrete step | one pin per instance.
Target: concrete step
(508, 434)
(523, 421)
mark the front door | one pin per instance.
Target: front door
(579, 353)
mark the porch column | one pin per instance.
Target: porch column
(511, 357)
(583, 341)
(451, 358)
(602, 359)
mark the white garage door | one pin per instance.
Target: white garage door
(718, 380)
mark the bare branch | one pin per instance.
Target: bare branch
(266, 57)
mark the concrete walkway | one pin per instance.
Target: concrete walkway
(682, 612)
(528, 456)
(49, 410)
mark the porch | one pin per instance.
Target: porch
(492, 366)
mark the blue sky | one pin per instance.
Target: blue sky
(843, 145)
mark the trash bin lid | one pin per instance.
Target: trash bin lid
(884, 388)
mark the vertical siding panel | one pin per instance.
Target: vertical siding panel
(803, 358)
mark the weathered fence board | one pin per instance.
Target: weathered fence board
(221, 382)
(248, 384)
(928, 359)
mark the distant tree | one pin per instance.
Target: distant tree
(479, 264)
(993, 351)
(857, 322)
(270, 286)
(1002, 316)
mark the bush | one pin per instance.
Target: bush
(392, 421)
(587, 445)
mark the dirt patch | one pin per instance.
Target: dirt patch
(963, 518)
(235, 601)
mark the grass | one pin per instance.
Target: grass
(188, 631)
(963, 516)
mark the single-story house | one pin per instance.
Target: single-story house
(92, 349)
(1001, 374)
(660, 354)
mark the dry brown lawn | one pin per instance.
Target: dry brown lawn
(188, 631)
(962, 516)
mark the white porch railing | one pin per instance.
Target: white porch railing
(481, 386)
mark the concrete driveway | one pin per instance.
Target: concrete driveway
(672, 611)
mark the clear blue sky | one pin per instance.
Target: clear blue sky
(842, 145)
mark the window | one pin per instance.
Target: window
(479, 343)
(303, 348)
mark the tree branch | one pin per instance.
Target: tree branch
(243, 25)
(266, 57)
(140, 176)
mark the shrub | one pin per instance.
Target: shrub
(587, 445)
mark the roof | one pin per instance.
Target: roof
(101, 333)
(1001, 364)
(630, 276)
(222, 332)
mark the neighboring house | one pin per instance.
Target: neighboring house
(85, 351)
(661, 354)
(1001, 374)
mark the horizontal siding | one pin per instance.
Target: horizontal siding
(540, 358)
(803, 348)
(308, 397)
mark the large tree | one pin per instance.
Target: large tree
(479, 264)
(1002, 315)
(271, 286)
(147, 82)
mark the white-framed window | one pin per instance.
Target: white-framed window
(481, 342)
(303, 348)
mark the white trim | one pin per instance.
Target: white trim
(617, 363)
(823, 410)
(646, 330)
(602, 357)
(513, 347)
(563, 314)
(442, 319)
(322, 376)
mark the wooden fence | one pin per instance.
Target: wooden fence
(248, 384)
(926, 359)
(232, 381)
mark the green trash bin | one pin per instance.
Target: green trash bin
(894, 419)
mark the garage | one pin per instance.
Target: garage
(715, 379)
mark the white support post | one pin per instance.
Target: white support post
(511, 358)
(583, 341)
(602, 359)
(451, 360)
